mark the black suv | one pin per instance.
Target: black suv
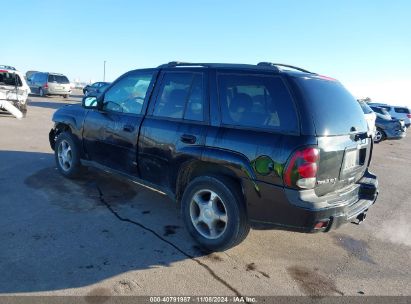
(266, 146)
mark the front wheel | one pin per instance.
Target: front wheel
(379, 135)
(67, 155)
(214, 212)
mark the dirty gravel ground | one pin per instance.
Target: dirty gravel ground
(102, 235)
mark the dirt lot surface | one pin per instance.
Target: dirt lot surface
(66, 237)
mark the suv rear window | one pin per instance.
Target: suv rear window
(10, 79)
(256, 101)
(334, 110)
(58, 79)
(402, 110)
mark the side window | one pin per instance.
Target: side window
(402, 110)
(181, 96)
(127, 95)
(256, 101)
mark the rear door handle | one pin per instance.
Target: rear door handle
(188, 139)
(128, 128)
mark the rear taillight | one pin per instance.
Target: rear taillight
(301, 171)
(46, 86)
(409, 115)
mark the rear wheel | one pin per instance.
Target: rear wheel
(379, 136)
(41, 92)
(65, 96)
(67, 155)
(214, 212)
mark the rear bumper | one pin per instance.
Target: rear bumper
(303, 209)
(396, 135)
(56, 92)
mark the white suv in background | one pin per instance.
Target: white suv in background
(370, 117)
(398, 112)
(13, 91)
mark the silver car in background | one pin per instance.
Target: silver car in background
(45, 83)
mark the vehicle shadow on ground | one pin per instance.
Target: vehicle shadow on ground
(59, 233)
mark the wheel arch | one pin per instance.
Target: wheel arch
(217, 163)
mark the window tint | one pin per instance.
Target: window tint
(256, 101)
(10, 79)
(127, 95)
(333, 109)
(402, 110)
(181, 95)
(58, 78)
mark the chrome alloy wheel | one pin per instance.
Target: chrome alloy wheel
(378, 136)
(208, 214)
(64, 155)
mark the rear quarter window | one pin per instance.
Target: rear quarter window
(333, 109)
(256, 101)
(10, 79)
(58, 78)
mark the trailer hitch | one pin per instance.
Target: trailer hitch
(360, 218)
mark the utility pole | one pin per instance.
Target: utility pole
(104, 73)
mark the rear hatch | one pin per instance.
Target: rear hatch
(341, 131)
(58, 84)
(11, 86)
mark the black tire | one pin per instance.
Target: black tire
(379, 136)
(74, 169)
(237, 226)
(65, 96)
(23, 109)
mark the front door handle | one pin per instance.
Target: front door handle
(188, 139)
(128, 128)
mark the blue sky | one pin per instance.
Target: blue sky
(365, 44)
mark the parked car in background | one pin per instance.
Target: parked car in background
(45, 83)
(398, 112)
(387, 126)
(370, 117)
(97, 87)
(266, 145)
(29, 73)
(14, 91)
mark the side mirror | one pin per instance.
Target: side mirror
(90, 102)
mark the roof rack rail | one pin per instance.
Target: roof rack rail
(173, 64)
(276, 65)
(7, 67)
